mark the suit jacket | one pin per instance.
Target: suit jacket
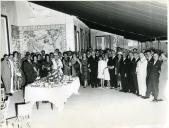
(124, 66)
(149, 66)
(112, 62)
(6, 75)
(93, 64)
(117, 65)
(155, 70)
(131, 65)
(29, 72)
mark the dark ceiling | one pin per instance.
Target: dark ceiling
(134, 20)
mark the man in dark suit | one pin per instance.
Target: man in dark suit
(154, 78)
(6, 75)
(93, 65)
(131, 72)
(123, 73)
(150, 60)
(111, 65)
(132, 76)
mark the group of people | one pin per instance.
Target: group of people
(140, 73)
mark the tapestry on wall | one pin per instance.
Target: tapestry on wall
(15, 45)
(40, 37)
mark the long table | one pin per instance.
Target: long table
(56, 95)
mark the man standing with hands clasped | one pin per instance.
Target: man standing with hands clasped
(152, 87)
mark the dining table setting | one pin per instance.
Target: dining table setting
(55, 90)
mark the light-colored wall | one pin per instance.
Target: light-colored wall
(23, 13)
(70, 33)
(116, 40)
(131, 44)
(80, 25)
(8, 8)
(161, 45)
(33, 14)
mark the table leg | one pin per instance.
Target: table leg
(51, 105)
(37, 105)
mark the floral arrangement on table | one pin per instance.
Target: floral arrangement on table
(55, 76)
(55, 79)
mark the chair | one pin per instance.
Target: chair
(3, 108)
(22, 120)
(2, 98)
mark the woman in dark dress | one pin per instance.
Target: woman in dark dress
(117, 68)
(29, 70)
(47, 65)
(36, 64)
(76, 66)
(66, 65)
(42, 62)
(84, 70)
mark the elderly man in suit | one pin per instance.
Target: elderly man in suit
(7, 74)
(154, 75)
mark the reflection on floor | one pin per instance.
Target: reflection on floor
(98, 108)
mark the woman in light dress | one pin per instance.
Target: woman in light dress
(101, 66)
(103, 73)
(163, 88)
(12, 72)
(57, 63)
(106, 71)
(141, 71)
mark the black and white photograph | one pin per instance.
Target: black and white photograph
(84, 64)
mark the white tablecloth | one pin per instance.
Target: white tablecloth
(57, 95)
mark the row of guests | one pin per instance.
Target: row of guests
(19, 71)
(134, 72)
(139, 73)
(131, 71)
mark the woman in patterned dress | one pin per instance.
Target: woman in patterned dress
(66, 65)
(76, 66)
(36, 65)
(84, 70)
(18, 74)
